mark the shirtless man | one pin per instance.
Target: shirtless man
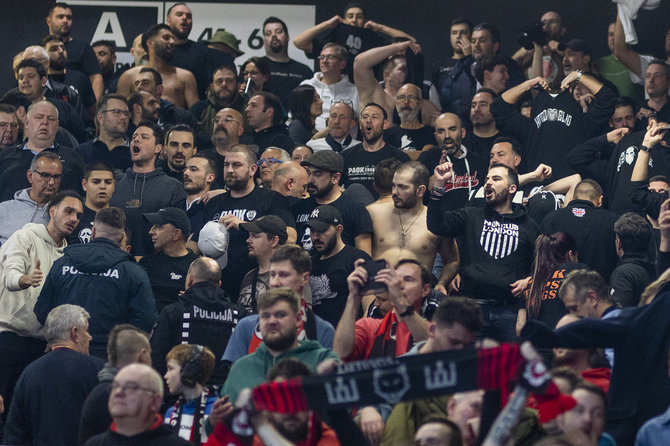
(395, 76)
(403, 224)
(179, 85)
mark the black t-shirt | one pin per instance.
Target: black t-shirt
(80, 82)
(192, 56)
(410, 139)
(329, 282)
(356, 40)
(257, 203)
(359, 164)
(81, 57)
(480, 148)
(82, 233)
(356, 219)
(167, 275)
(284, 77)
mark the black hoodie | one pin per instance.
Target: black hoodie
(498, 249)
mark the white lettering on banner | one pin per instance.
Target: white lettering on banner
(242, 214)
(440, 377)
(552, 115)
(110, 20)
(111, 273)
(224, 316)
(341, 392)
(499, 239)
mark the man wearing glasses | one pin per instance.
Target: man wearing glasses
(330, 83)
(111, 145)
(40, 130)
(9, 126)
(136, 398)
(270, 159)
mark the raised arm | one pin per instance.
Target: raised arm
(343, 343)
(303, 41)
(387, 30)
(364, 64)
(623, 52)
(513, 95)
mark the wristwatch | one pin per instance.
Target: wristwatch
(439, 191)
(644, 148)
(408, 311)
(579, 74)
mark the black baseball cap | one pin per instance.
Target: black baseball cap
(174, 216)
(269, 224)
(325, 160)
(324, 217)
(576, 45)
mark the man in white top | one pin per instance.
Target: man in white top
(330, 83)
(341, 121)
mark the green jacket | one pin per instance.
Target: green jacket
(250, 370)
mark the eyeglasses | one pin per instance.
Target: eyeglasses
(225, 120)
(116, 112)
(402, 98)
(328, 57)
(269, 161)
(342, 101)
(48, 177)
(250, 73)
(131, 387)
(12, 125)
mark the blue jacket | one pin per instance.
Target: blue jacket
(104, 280)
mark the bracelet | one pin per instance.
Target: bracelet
(439, 191)
(579, 75)
(644, 148)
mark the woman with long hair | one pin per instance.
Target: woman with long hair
(305, 106)
(555, 257)
(258, 71)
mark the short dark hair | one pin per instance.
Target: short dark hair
(487, 90)
(224, 67)
(32, 63)
(158, 133)
(7, 108)
(420, 175)
(568, 374)
(374, 104)
(182, 352)
(662, 63)
(151, 32)
(512, 176)
(58, 5)
(355, 5)
(247, 151)
(50, 38)
(97, 166)
(588, 189)
(624, 101)
(423, 272)
(459, 21)
(383, 177)
(62, 195)
(102, 102)
(46, 154)
(463, 310)
(272, 101)
(493, 31)
(135, 99)
(123, 352)
(282, 293)
(584, 280)
(590, 387)
(180, 128)
(516, 145)
(273, 19)
(455, 439)
(111, 46)
(176, 4)
(662, 178)
(299, 258)
(488, 63)
(288, 368)
(112, 217)
(211, 163)
(158, 79)
(17, 99)
(634, 232)
(261, 65)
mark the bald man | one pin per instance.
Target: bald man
(290, 180)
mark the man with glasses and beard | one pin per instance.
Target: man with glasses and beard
(411, 135)
(499, 240)
(402, 223)
(279, 315)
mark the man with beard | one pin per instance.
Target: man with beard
(80, 55)
(199, 174)
(324, 170)
(360, 160)
(189, 55)
(279, 317)
(468, 167)
(332, 263)
(410, 136)
(179, 84)
(484, 131)
(98, 184)
(24, 259)
(143, 106)
(341, 121)
(498, 240)
(143, 188)
(105, 52)
(223, 93)
(290, 180)
(403, 224)
(179, 148)
(228, 128)
(285, 73)
(244, 202)
(111, 144)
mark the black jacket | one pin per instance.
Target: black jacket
(276, 136)
(592, 229)
(162, 435)
(498, 250)
(640, 336)
(629, 279)
(212, 317)
(105, 281)
(95, 417)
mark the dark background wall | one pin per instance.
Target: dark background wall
(22, 22)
